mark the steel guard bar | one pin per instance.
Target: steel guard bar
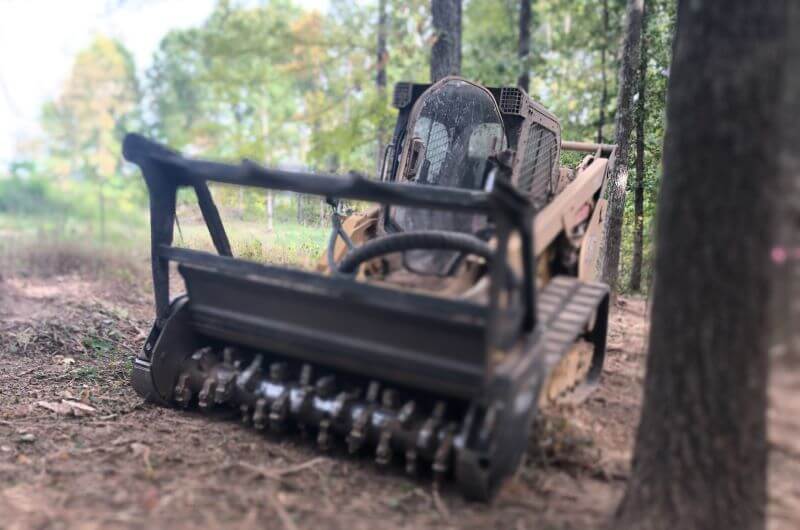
(165, 170)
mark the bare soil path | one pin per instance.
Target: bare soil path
(78, 449)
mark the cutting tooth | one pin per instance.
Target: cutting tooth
(203, 353)
(373, 391)
(223, 390)
(277, 372)
(358, 433)
(206, 395)
(278, 412)
(228, 354)
(441, 461)
(182, 393)
(306, 374)
(323, 436)
(260, 414)
(411, 461)
(406, 413)
(246, 378)
(326, 386)
(354, 440)
(383, 454)
(389, 398)
(340, 405)
(425, 436)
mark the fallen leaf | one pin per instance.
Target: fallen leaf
(67, 407)
(59, 455)
(140, 449)
(58, 408)
(79, 406)
(65, 361)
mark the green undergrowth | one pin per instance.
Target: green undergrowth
(53, 245)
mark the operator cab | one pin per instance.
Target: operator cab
(452, 130)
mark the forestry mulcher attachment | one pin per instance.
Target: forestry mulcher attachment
(439, 321)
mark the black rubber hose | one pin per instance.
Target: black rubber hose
(418, 240)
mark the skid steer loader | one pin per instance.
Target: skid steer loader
(439, 321)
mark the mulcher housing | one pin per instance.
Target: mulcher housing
(429, 381)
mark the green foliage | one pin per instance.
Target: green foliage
(27, 195)
(81, 160)
(289, 243)
(282, 85)
(661, 26)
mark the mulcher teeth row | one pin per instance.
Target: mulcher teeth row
(269, 399)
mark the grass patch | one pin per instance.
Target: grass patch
(288, 243)
(46, 246)
(86, 374)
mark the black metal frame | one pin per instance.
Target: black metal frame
(165, 170)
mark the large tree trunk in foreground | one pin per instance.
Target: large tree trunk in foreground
(524, 48)
(446, 51)
(786, 253)
(638, 188)
(700, 460)
(601, 120)
(618, 179)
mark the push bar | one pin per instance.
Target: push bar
(588, 147)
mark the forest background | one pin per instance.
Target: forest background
(293, 87)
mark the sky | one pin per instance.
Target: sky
(40, 38)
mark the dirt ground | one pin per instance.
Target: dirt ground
(78, 449)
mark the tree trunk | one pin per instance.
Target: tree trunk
(102, 205)
(700, 456)
(638, 189)
(618, 178)
(382, 56)
(601, 120)
(524, 49)
(270, 201)
(786, 253)
(446, 51)
(299, 208)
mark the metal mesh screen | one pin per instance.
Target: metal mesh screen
(511, 100)
(537, 163)
(402, 95)
(438, 143)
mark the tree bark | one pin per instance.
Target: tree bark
(446, 51)
(601, 120)
(382, 57)
(524, 48)
(700, 456)
(102, 200)
(786, 253)
(618, 178)
(270, 201)
(638, 189)
(299, 208)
